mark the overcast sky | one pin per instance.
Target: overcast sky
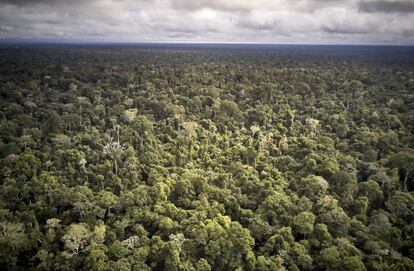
(275, 21)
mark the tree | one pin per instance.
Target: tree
(402, 205)
(353, 264)
(276, 208)
(372, 191)
(26, 141)
(321, 235)
(303, 223)
(332, 215)
(227, 245)
(114, 150)
(76, 239)
(405, 162)
(329, 258)
(54, 123)
(12, 239)
(27, 165)
(313, 187)
(345, 185)
(328, 168)
(229, 109)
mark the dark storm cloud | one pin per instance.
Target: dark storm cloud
(278, 21)
(387, 6)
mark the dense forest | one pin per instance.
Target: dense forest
(133, 158)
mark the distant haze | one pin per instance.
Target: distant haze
(273, 21)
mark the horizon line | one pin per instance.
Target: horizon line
(22, 41)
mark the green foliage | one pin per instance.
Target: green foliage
(402, 205)
(164, 159)
(304, 222)
(76, 239)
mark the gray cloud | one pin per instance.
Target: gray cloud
(240, 5)
(408, 32)
(277, 21)
(387, 6)
(343, 30)
(47, 2)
